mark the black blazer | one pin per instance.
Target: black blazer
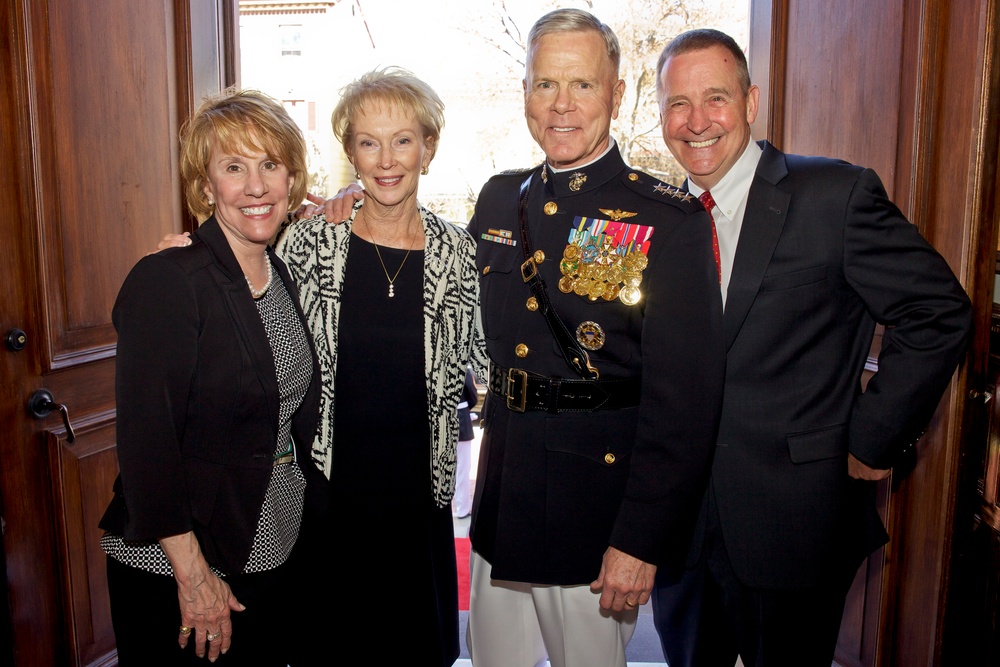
(822, 256)
(197, 399)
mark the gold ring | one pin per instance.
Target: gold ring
(212, 636)
(185, 630)
(630, 605)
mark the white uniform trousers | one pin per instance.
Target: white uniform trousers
(514, 624)
(463, 468)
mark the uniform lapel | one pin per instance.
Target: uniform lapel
(766, 209)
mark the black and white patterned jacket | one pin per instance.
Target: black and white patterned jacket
(316, 254)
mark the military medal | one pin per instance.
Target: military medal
(604, 259)
(590, 335)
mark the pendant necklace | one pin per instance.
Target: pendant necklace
(392, 289)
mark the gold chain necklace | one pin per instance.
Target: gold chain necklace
(392, 289)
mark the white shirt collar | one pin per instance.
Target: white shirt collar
(731, 190)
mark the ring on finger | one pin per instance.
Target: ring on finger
(185, 630)
(212, 636)
(630, 605)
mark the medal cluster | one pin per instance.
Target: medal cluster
(597, 270)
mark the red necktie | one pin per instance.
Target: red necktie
(709, 204)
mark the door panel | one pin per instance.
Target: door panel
(94, 94)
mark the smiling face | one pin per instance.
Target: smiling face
(571, 93)
(388, 150)
(704, 114)
(250, 191)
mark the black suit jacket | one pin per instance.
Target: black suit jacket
(822, 256)
(197, 400)
(553, 491)
(470, 396)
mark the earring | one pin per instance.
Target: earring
(357, 176)
(424, 171)
(211, 202)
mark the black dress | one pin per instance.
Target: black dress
(393, 550)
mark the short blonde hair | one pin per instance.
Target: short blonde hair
(394, 86)
(235, 120)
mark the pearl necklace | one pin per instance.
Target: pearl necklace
(256, 294)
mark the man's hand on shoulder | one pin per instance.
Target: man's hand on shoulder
(336, 209)
(173, 241)
(625, 582)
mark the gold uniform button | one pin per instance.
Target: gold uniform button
(633, 177)
(532, 304)
(521, 350)
(486, 270)
(539, 257)
(551, 208)
(609, 458)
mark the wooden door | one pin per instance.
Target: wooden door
(93, 95)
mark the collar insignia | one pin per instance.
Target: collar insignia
(577, 180)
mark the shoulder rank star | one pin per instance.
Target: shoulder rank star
(617, 214)
(676, 193)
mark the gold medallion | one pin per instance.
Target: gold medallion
(590, 335)
(568, 267)
(611, 293)
(550, 208)
(630, 295)
(596, 290)
(566, 284)
(571, 251)
(636, 261)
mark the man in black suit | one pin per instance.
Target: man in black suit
(813, 255)
(600, 421)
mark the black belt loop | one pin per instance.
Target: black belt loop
(554, 385)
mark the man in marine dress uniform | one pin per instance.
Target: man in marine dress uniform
(600, 421)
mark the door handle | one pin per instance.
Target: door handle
(41, 404)
(984, 395)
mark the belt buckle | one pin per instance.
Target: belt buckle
(515, 375)
(529, 270)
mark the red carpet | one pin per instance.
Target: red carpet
(462, 555)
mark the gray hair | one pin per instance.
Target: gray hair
(575, 20)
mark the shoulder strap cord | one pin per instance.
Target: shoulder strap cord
(575, 355)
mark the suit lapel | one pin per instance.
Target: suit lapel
(244, 310)
(766, 209)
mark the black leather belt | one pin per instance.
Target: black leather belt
(523, 391)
